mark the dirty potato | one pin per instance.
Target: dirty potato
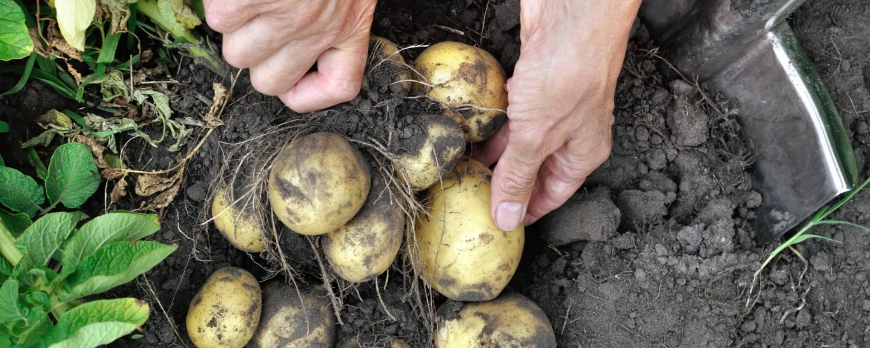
(431, 156)
(226, 310)
(287, 322)
(240, 226)
(511, 320)
(462, 253)
(469, 84)
(367, 245)
(318, 182)
(385, 58)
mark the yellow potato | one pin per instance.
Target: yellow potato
(241, 227)
(368, 244)
(226, 310)
(384, 57)
(286, 323)
(511, 320)
(462, 253)
(318, 183)
(434, 156)
(469, 84)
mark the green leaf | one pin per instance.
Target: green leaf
(113, 265)
(110, 45)
(42, 239)
(15, 223)
(97, 323)
(74, 17)
(106, 229)
(72, 175)
(10, 310)
(15, 42)
(804, 237)
(4, 128)
(25, 76)
(19, 192)
(3, 164)
(36, 163)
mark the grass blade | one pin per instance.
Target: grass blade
(25, 75)
(804, 237)
(107, 52)
(846, 223)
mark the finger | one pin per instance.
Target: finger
(282, 70)
(226, 16)
(251, 43)
(513, 180)
(562, 174)
(491, 150)
(338, 77)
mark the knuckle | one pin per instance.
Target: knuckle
(263, 83)
(516, 182)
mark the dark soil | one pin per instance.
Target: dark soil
(656, 250)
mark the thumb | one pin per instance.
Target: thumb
(512, 182)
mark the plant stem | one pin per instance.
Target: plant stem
(7, 246)
(150, 9)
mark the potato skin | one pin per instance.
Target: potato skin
(383, 51)
(285, 324)
(240, 227)
(511, 320)
(367, 245)
(318, 183)
(226, 310)
(459, 76)
(436, 155)
(462, 253)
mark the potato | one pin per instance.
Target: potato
(287, 323)
(241, 227)
(318, 183)
(469, 84)
(226, 310)
(384, 58)
(462, 253)
(368, 244)
(425, 162)
(512, 320)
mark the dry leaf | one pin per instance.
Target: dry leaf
(164, 198)
(149, 184)
(106, 171)
(120, 189)
(220, 97)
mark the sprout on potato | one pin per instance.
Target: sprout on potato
(469, 84)
(462, 253)
(424, 163)
(287, 322)
(512, 320)
(226, 310)
(241, 227)
(318, 183)
(367, 245)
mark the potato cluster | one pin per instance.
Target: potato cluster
(320, 184)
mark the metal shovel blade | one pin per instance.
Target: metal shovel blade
(745, 50)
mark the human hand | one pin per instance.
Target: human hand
(560, 105)
(280, 40)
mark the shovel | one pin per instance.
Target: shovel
(745, 50)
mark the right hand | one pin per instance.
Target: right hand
(280, 40)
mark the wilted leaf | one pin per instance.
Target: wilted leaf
(149, 184)
(73, 18)
(15, 42)
(120, 190)
(220, 97)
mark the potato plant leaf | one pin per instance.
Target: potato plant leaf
(15, 223)
(72, 175)
(73, 18)
(10, 311)
(20, 192)
(106, 229)
(113, 265)
(45, 236)
(15, 42)
(97, 323)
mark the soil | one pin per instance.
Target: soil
(656, 250)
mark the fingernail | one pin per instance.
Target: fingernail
(508, 215)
